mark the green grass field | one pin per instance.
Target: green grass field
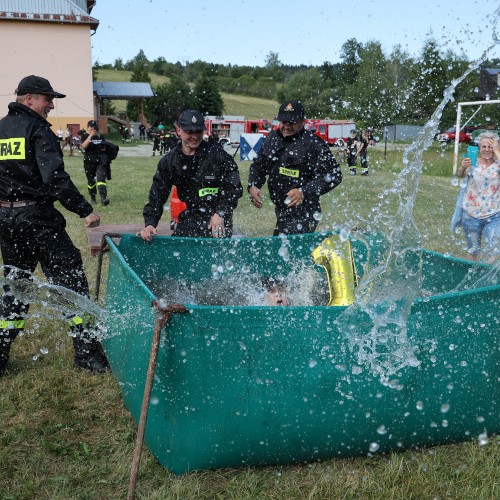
(64, 433)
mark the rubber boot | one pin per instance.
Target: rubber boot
(103, 192)
(89, 354)
(6, 339)
(92, 193)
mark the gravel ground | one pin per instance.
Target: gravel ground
(146, 149)
(142, 149)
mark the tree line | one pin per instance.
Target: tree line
(367, 86)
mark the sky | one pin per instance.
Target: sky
(244, 32)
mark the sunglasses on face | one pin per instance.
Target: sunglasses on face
(193, 132)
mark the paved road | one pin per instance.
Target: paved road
(141, 149)
(146, 149)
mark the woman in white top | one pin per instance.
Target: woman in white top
(481, 203)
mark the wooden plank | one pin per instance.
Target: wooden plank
(95, 234)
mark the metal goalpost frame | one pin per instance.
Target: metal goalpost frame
(458, 128)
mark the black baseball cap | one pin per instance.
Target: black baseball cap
(91, 123)
(291, 111)
(36, 85)
(191, 119)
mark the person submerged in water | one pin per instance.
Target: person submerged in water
(274, 292)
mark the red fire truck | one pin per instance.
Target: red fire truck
(230, 127)
(334, 132)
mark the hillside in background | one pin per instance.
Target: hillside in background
(234, 104)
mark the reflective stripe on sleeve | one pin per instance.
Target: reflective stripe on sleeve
(12, 324)
(78, 320)
(75, 320)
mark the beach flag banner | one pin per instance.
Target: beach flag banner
(250, 145)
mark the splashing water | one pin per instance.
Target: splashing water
(388, 290)
(57, 302)
(305, 285)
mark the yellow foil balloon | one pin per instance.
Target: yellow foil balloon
(338, 260)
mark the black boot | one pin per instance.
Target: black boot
(92, 194)
(89, 355)
(6, 339)
(103, 192)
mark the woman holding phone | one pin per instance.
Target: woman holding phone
(481, 202)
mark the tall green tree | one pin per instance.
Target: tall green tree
(401, 74)
(431, 79)
(170, 100)
(274, 66)
(349, 55)
(207, 97)
(368, 96)
(107, 107)
(198, 68)
(140, 73)
(309, 88)
(139, 60)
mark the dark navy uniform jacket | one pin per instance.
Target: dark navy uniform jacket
(208, 182)
(31, 162)
(301, 161)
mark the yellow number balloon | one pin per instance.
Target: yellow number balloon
(338, 260)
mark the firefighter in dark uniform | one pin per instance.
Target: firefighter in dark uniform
(362, 150)
(32, 231)
(155, 134)
(352, 152)
(172, 140)
(164, 138)
(95, 163)
(300, 168)
(207, 180)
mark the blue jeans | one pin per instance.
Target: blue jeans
(474, 229)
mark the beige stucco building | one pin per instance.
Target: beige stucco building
(52, 39)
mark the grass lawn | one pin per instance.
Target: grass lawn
(253, 108)
(66, 435)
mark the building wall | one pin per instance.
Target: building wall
(59, 52)
(402, 132)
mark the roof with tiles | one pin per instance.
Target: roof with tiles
(55, 11)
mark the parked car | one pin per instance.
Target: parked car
(449, 135)
(474, 139)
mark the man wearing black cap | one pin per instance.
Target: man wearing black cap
(32, 231)
(207, 180)
(300, 168)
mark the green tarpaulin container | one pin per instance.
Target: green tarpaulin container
(238, 385)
